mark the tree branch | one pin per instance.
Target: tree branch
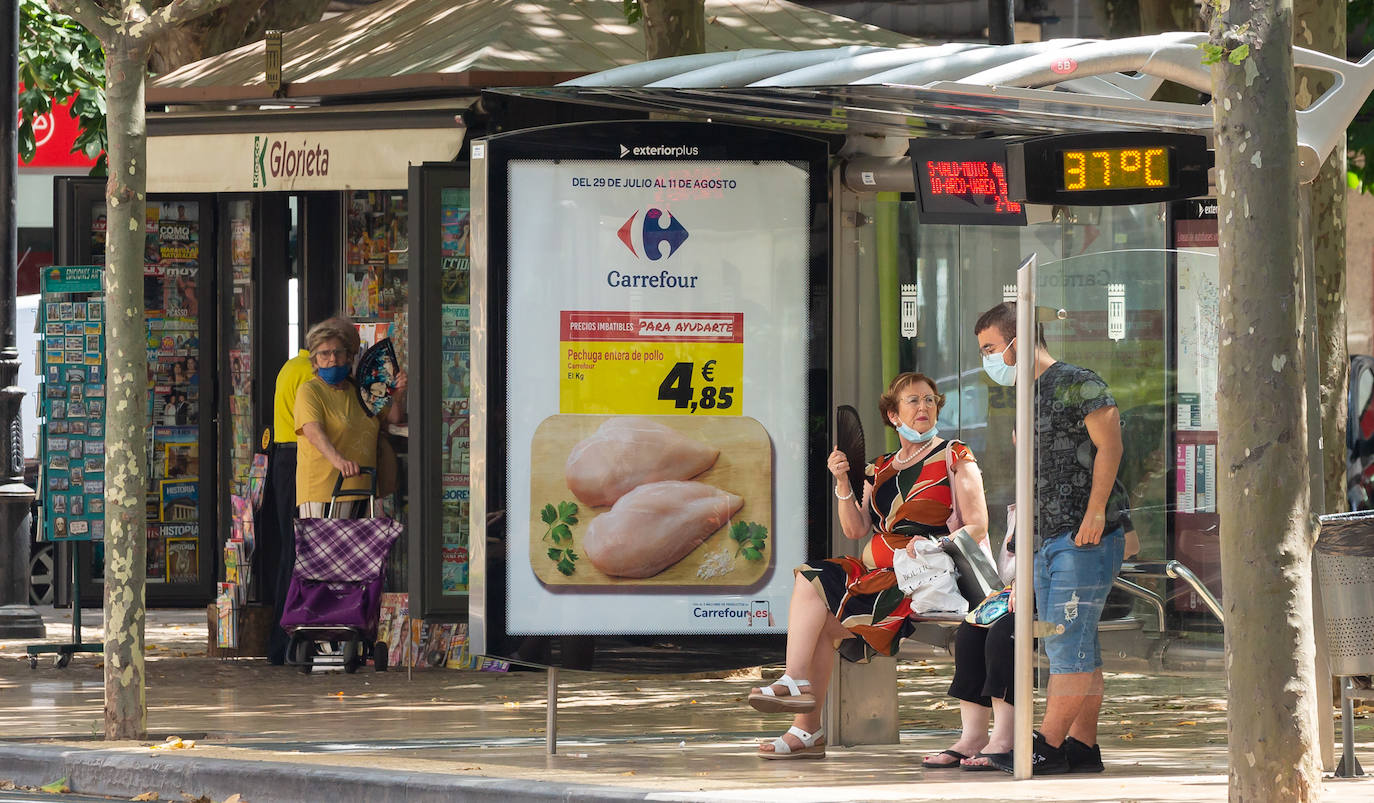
(92, 15)
(174, 14)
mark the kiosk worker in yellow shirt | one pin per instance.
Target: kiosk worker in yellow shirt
(279, 538)
(336, 436)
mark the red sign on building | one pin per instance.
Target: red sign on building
(55, 132)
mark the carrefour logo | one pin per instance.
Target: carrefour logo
(659, 229)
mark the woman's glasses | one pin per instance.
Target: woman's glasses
(928, 401)
(338, 354)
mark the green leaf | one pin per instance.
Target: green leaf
(548, 515)
(571, 554)
(739, 531)
(565, 567)
(561, 533)
(567, 512)
(1238, 55)
(752, 554)
(57, 787)
(555, 553)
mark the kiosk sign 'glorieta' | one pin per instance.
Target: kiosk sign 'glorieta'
(283, 161)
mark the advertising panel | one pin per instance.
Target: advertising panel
(658, 328)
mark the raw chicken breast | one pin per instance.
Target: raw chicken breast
(655, 526)
(628, 451)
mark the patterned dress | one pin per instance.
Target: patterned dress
(862, 592)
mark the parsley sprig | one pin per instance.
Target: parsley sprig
(559, 533)
(751, 537)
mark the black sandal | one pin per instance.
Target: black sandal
(955, 754)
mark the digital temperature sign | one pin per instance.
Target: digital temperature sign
(1108, 169)
(964, 181)
(1115, 168)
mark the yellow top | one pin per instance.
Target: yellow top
(348, 428)
(289, 379)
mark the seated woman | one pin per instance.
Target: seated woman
(336, 436)
(854, 604)
(984, 676)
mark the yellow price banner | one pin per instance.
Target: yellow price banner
(652, 363)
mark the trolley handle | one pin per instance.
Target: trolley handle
(370, 493)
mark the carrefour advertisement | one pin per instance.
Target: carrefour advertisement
(656, 401)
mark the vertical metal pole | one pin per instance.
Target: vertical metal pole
(1024, 698)
(1001, 22)
(551, 712)
(17, 620)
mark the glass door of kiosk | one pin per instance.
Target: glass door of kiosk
(179, 289)
(438, 455)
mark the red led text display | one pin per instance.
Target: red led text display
(964, 182)
(982, 183)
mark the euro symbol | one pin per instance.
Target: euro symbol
(708, 369)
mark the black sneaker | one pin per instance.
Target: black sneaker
(1046, 760)
(1082, 758)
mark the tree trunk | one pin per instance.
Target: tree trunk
(237, 24)
(1321, 26)
(1158, 16)
(126, 406)
(674, 28)
(1119, 18)
(1266, 524)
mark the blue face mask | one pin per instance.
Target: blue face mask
(335, 374)
(997, 369)
(914, 436)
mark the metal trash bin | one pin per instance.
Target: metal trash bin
(1345, 573)
(1344, 561)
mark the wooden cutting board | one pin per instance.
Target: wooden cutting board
(744, 467)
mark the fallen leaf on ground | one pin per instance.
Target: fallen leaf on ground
(1187, 722)
(189, 798)
(1129, 737)
(234, 798)
(57, 787)
(175, 743)
(146, 796)
(6, 785)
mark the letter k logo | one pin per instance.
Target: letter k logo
(623, 151)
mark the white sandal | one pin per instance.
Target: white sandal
(795, 702)
(813, 745)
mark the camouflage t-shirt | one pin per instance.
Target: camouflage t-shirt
(1065, 395)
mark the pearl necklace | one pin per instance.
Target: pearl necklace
(900, 463)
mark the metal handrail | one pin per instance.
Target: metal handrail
(1175, 570)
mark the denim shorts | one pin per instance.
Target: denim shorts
(1071, 585)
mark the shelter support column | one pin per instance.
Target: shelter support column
(861, 707)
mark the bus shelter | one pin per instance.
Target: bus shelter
(948, 166)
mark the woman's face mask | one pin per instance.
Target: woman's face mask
(334, 374)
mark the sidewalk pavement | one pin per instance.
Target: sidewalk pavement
(273, 734)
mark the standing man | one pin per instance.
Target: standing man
(1079, 538)
(282, 496)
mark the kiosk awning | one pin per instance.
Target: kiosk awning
(434, 46)
(301, 149)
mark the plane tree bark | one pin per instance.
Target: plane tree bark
(127, 32)
(1267, 528)
(673, 27)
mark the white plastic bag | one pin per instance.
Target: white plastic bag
(1006, 559)
(928, 579)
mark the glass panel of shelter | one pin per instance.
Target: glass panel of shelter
(1140, 315)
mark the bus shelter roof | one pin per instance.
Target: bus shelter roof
(1063, 85)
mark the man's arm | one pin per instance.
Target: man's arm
(1104, 427)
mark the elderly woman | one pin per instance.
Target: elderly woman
(336, 436)
(854, 604)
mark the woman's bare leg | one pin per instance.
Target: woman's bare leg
(810, 621)
(1003, 717)
(974, 737)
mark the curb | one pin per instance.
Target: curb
(118, 773)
